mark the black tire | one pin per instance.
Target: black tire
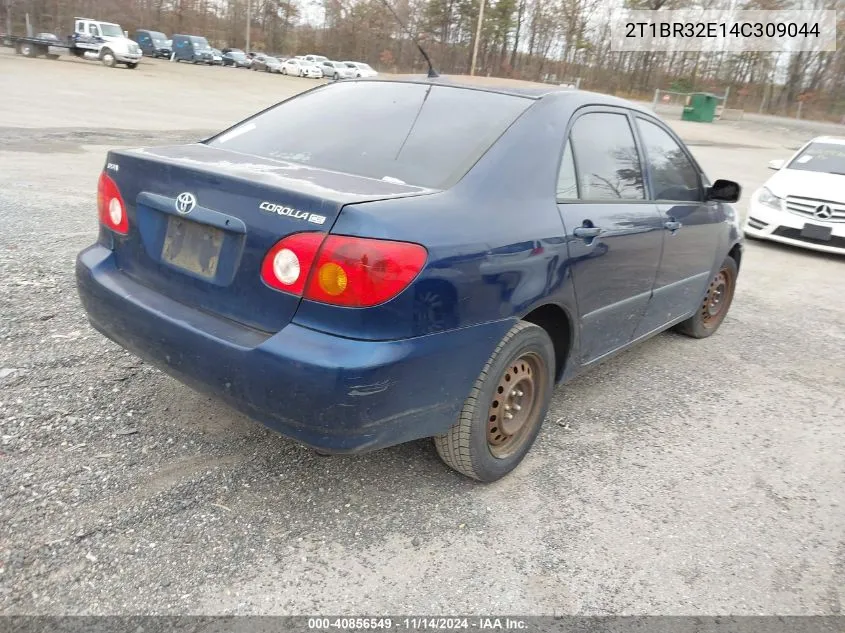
(132, 65)
(108, 58)
(28, 50)
(52, 56)
(473, 445)
(715, 304)
(336, 77)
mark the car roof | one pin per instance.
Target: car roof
(529, 90)
(833, 140)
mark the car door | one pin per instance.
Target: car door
(691, 226)
(614, 232)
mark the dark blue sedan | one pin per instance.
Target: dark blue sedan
(373, 262)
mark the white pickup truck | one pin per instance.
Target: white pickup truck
(91, 39)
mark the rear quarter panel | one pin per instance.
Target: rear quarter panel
(496, 247)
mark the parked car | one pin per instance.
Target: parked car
(361, 69)
(266, 63)
(352, 295)
(301, 68)
(236, 58)
(192, 48)
(216, 57)
(336, 70)
(803, 204)
(153, 43)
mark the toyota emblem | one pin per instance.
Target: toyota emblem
(823, 212)
(185, 203)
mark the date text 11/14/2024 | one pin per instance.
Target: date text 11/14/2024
(416, 624)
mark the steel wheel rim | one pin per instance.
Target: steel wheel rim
(718, 296)
(515, 405)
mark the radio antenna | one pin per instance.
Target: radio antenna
(431, 72)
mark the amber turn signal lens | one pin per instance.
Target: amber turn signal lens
(333, 280)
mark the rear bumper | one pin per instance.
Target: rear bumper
(338, 395)
(785, 227)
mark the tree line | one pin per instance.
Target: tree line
(538, 40)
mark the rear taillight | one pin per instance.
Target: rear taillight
(346, 271)
(110, 205)
(360, 272)
(286, 265)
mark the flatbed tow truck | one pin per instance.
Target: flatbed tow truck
(91, 39)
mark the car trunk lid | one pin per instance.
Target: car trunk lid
(202, 219)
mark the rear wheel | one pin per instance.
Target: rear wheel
(52, 56)
(108, 59)
(28, 50)
(505, 409)
(715, 305)
(132, 65)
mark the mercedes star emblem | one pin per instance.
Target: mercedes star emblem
(823, 212)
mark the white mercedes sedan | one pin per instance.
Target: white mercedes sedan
(803, 204)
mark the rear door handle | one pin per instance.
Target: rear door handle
(586, 232)
(672, 225)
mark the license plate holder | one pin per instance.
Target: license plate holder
(816, 232)
(192, 247)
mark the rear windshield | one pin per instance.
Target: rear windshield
(825, 157)
(420, 134)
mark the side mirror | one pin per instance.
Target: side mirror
(776, 164)
(724, 191)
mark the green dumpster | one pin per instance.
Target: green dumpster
(700, 106)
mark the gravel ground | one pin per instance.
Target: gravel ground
(683, 477)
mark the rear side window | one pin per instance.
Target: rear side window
(567, 183)
(673, 176)
(419, 134)
(606, 158)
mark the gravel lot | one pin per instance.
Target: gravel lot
(683, 477)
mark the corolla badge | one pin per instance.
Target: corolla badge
(185, 203)
(296, 214)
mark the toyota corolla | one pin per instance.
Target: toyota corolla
(433, 270)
